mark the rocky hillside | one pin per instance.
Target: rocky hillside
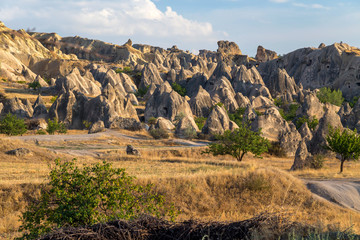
(127, 86)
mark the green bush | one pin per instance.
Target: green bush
(312, 123)
(41, 132)
(34, 85)
(317, 161)
(159, 133)
(179, 89)
(289, 112)
(124, 70)
(237, 116)
(278, 102)
(276, 150)
(12, 125)
(354, 101)
(141, 92)
(82, 196)
(55, 126)
(87, 124)
(326, 95)
(200, 122)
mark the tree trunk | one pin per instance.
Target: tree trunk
(342, 165)
(241, 156)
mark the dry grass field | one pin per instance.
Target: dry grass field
(202, 187)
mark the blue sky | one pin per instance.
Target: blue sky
(280, 25)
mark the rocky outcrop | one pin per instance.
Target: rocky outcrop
(261, 102)
(19, 152)
(167, 103)
(39, 108)
(130, 150)
(302, 157)
(228, 48)
(311, 107)
(97, 127)
(248, 81)
(150, 75)
(220, 90)
(218, 122)
(164, 124)
(289, 140)
(281, 84)
(305, 133)
(75, 81)
(201, 103)
(264, 55)
(126, 123)
(186, 128)
(22, 109)
(241, 100)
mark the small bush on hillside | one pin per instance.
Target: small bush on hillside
(237, 116)
(179, 89)
(124, 70)
(159, 133)
(141, 92)
(312, 123)
(35, 85)
(55, 126)
(87, 124)
(276, 150)
(41, 132)
(200, 122)
(12, 125)
(81, 196)
(317, 161)
(354, 101)
(289, 112)
(326, 95)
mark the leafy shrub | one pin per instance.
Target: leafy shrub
(53, 99)
(200, 122)
(289, 112)
(354, 101)
(152, 120)
(55, 126)
(86, 124)
(34, 85)
(141, 92)
(190, 133)
(159, 133)
(179, 89)
(237, 117)
(312, 123)
(278, 102)
(21, 82)
(276, 150)
(82, 196)
(258, 113)
(317, 161)
(326, 95)
(41, 132)
(124, 70)
(12, 125)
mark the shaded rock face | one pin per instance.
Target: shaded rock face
(221, 91)
(218, 122)
(201, 103)
(264, 55)
(318, 142)
(302, 157)
(17, 107)
(334, 66)
(75, 81)
(289, 140)
(39, 108)
(150, 74)
(166, 103)
(186, 127)
(305, 133)
(96, 127)
(241, 100)
(246, 80)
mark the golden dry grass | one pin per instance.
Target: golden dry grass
(201, 186)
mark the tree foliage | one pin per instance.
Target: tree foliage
(346, 143)
(179, 89)
(312, 123)
(239, 142)
(55, 126)
(326, 95)
(84, 196)
(12, 125)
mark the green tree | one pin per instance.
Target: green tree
(55, 126)
(327, 95)
(239, 142)
(179, 89)
(80, 196)
(12, 125)
(346, 143)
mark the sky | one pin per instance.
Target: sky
(279, 25)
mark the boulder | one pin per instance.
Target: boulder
(302, 157)
(186, 128)
(228, 48)
(218, 122)
(130, 150)
(97, 127)
(201, 103)
(264, 55)
(126, 123)
(167, 103)
(165, 124)
(262, 102)
(19, 152)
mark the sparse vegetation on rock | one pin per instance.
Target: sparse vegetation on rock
(326, 95)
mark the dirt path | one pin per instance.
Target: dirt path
(344, 192)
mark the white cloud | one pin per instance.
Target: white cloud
(313, 6)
